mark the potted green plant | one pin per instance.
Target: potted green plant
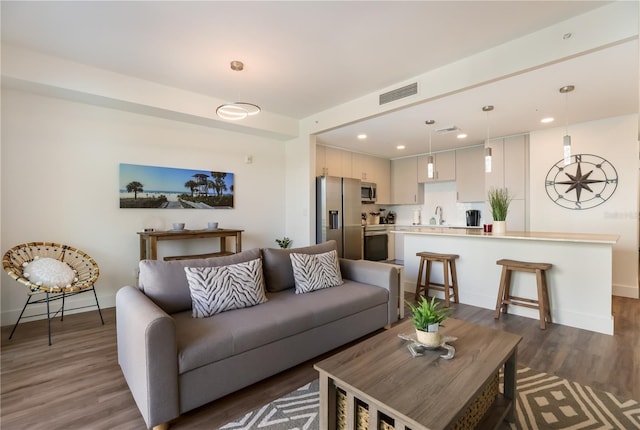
(427, 318)
(499, 200)
(284, 242)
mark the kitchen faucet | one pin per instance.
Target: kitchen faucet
(439, 215)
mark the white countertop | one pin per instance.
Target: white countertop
(521, 235)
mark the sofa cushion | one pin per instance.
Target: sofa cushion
(202, 341)
(166, 284)
(276, 264)
(218, 289)
(313, 272)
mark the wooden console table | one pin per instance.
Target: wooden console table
(149, 242)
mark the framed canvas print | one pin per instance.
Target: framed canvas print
(171, 188)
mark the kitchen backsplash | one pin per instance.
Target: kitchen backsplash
(441, 194)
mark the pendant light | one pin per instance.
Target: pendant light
(430, 170)
(238, 110)
(487, 148)
(566, 140)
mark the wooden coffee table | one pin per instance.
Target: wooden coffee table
(424, 392)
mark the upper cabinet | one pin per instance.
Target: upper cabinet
(444, 167)
(321, 161)
(332, 162)
(405, 188)
(509, 165)
(510, 169)
(336, 162)
(373, 169)
(470, 174)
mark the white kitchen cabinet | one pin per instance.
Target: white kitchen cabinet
(510, 169)
(399, 246)
(391, 244)
(332, 162)
(361, 167)
(515, 165)
(470, 174)
(376, 170)
(405, 188)
(444, 167)
(381, 176)
(321, 161)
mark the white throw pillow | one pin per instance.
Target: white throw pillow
(218, 289)
(313, 272)
(49, 272)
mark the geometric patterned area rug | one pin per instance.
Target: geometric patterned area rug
(544, 402)
(549, 402)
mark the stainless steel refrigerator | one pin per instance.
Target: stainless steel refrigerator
(338, 214)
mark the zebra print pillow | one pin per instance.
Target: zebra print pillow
(218, 289)
(313, 272)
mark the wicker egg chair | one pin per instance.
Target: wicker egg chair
(84, 267)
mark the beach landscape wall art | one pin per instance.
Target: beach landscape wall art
(150, 187)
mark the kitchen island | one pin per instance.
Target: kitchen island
(580, 281)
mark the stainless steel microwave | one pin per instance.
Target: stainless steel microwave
(368, 192)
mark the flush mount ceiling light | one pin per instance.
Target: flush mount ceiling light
(238, 110)
(566, 140)
(487, 149)
(362, 136)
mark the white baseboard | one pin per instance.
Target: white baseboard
(632, 292)
(9, 317)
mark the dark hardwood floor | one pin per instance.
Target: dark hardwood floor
(76, 383)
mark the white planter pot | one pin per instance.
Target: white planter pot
(430, 339)
(499, 227)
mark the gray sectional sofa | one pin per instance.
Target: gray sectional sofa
(174, 362)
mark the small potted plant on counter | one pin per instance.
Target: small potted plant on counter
(499, 200)
(427, 316)
(284, 242)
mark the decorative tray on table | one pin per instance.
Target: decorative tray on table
(416, 348)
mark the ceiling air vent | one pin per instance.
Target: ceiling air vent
(399, 93)
(448, 129)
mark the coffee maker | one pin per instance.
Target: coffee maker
(473, 218)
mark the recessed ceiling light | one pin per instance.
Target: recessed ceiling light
(362, 136)
(547, 120)
(400, 147)
(462, 136)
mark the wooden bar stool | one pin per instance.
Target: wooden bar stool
(448, 264)
(504, 293)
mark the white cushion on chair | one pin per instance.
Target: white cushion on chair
(49, 272)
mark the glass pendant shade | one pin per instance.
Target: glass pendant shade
(487, 160)
(566, 140)
(566, 149)
(430, 166)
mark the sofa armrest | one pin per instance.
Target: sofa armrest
(379, 274)
(147, 354)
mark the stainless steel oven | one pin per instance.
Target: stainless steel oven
(376, 243)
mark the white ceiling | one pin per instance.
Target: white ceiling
(305, 57)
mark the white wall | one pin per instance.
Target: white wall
(616, 140)
(60, 183)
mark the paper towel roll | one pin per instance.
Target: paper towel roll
(417, 217)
